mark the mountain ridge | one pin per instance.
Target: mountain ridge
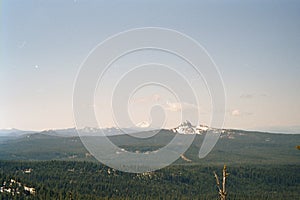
(233, 146)
(185, 127)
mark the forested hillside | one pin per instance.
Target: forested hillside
(87, 180)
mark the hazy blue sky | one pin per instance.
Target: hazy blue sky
(255, 44)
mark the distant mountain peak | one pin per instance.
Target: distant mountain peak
(143, 124)
(90, 129)
(187, 127)
(186, 123)
(12, 132)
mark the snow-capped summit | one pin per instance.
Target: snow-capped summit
(202, 127)
(90, 130)
(187, 128)
(143, 124)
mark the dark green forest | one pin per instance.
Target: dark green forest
(260, 166)
(89, 180)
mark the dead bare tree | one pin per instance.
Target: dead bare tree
(222, 191)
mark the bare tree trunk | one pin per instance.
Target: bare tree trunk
(222, 191)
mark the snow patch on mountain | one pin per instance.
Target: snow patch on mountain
(187, 128)
(143, 124)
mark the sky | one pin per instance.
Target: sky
(254, 44)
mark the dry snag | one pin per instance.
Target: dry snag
(222, 190)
